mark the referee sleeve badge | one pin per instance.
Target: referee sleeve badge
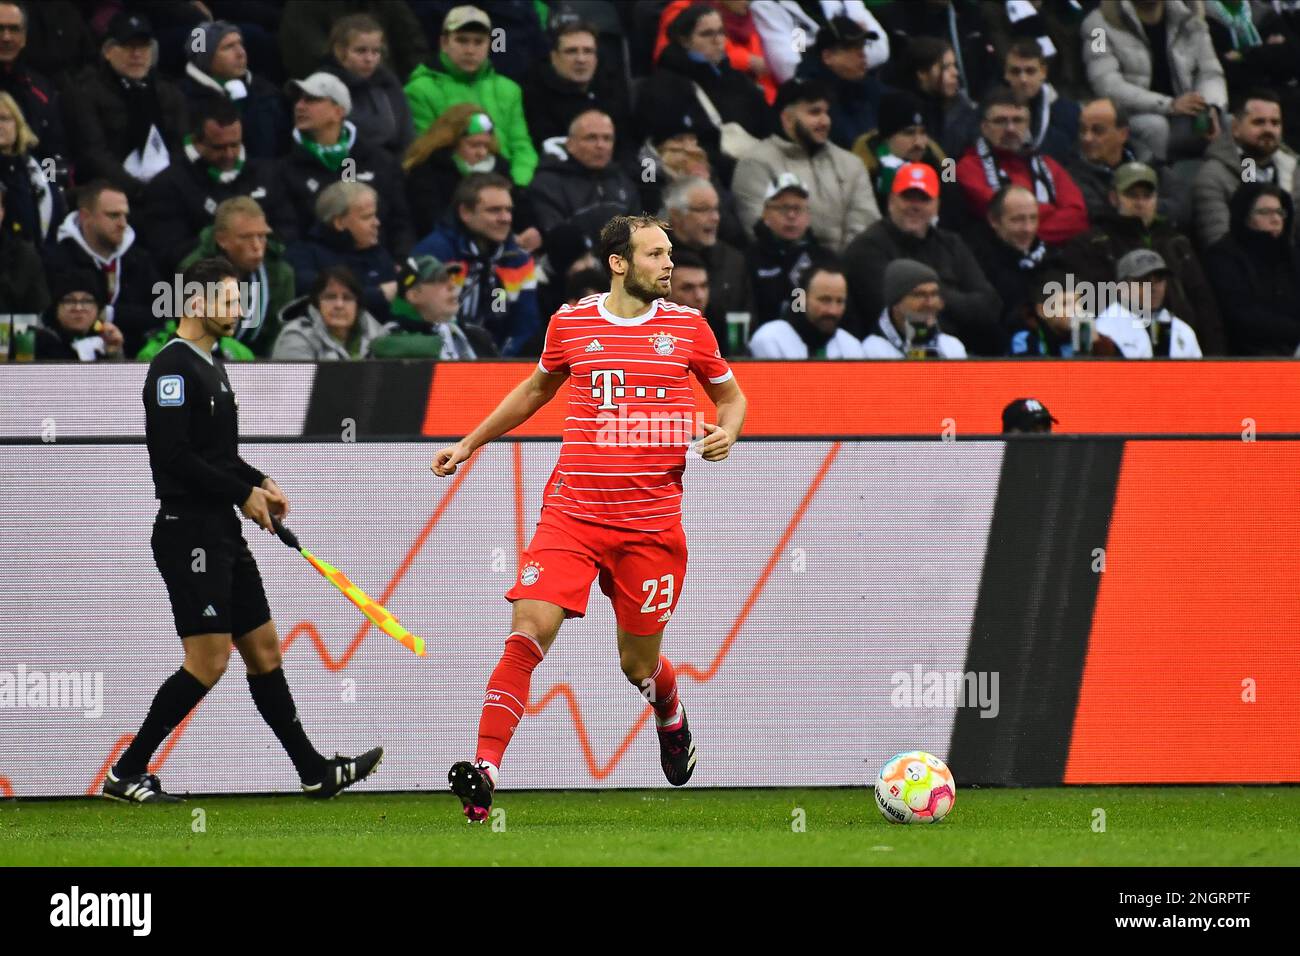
(171, 390)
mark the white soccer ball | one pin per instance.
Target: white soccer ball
(915, 787)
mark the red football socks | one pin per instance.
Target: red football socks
(664, 699)
(506, 696)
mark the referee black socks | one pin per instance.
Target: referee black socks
(178, 695)
(275, 704)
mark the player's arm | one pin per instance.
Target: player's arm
(731, 405)
(515, 409)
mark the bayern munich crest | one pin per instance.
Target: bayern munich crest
(531, 572)
(663, 343)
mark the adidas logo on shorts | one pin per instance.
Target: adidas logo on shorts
(595, 346)
(209, 611)
(665, 616)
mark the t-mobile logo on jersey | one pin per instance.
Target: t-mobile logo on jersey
(603, 387)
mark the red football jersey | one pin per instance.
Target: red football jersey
(631, 409)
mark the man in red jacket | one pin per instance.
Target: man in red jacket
(1002, 154)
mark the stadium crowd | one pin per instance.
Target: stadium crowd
(844, 179)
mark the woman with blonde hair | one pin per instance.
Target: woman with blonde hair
(33, 206)
(462, 140)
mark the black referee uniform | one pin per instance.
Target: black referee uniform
(192, 430)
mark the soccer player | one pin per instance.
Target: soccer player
(192, 431)
(612, 507)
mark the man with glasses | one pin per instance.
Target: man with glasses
(1003, 154)
(784, 247)
(73, 329)
(908, 326)
(694, 212)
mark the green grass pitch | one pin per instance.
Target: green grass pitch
(1175, 826)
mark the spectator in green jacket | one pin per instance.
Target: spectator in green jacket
(463, 74)
(239, 232)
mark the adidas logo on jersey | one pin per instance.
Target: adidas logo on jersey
(209, 611)
(595, 346)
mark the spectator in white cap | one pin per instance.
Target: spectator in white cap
(328, 149)
(217, 66)
(908, 326)
(1138, 323)
(809, 326)
(462, 72)
(784, 246)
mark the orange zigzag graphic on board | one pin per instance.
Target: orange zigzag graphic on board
(6, 788)
(560, 690)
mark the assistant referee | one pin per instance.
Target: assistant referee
(192, 430)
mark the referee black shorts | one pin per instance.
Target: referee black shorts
(212, 579)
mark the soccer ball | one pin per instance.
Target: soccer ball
(915, 787)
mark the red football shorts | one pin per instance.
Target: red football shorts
(641, 572)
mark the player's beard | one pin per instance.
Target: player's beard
(637, 286)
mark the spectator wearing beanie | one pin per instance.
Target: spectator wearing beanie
(73, 328)
(22, 278)
(908, 326)
(217, 66)
(127, 122)
(379, 108)
(676, 148)
(901, 138)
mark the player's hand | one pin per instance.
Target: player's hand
(717, 445)
(278, 501)
(445, 462)
(258, 508)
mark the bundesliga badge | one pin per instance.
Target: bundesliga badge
(663, 343)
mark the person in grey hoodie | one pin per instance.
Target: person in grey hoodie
(97, 237)
(335, 327)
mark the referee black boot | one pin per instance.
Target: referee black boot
(343, 772)
(137, 788)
